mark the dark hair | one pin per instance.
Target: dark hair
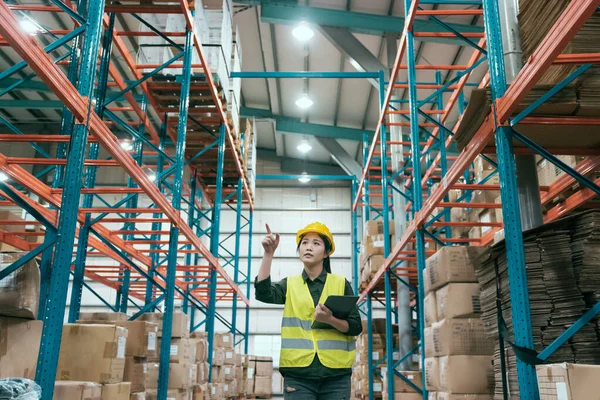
(326, 260)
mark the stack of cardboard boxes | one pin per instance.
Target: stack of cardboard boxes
(92, 357)
(371, 255)
(182, 360)
(224, 379)
(202, 367)
(20, 333)
(360, 372)
(259, 376)
(459, 358)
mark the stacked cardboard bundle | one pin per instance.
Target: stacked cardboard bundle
(568, 381)
(459, 356)
(561, 260)
(225, 365)
(371, 254)
(20, 333)
(259, 376)
(360, 372)
(93, 356)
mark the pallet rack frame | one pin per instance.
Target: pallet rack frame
(82, 116)
(500, 123)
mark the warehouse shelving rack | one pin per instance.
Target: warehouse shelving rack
(156, 167)
(499, 125)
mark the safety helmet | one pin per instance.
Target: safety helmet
(316, 227)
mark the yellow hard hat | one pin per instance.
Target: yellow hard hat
(316, 227)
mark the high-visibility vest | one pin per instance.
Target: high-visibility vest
(299, 342)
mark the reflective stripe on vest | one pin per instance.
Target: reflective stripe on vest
(299, 342)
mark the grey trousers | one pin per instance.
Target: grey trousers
(335, 388)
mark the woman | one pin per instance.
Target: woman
(316, 363)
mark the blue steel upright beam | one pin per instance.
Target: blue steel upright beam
(188, 256)
(90, 179)
(417, 195)
(389, 333)
(214, 246)
(355, 247)
(513, 232)
(236, 263)
(67, 223)
(248, 275)
(165, 345)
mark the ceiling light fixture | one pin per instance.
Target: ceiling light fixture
(304, 147)
(29, 27)
(152, 176)
(304, 101)
(127, 146)
(3, 177)
(304, 178)
(303, 32)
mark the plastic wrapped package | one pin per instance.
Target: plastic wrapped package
(19, 389)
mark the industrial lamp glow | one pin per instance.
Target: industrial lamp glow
(304, 178)
(3, 177)
(29, 26)
(304, 147)
(304, 101)
(152, 176)
(302, 32)
(126, 146)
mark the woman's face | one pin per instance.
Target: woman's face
(312, 249)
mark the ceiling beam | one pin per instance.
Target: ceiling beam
(341, 156)
(357, 22)
(294, 166)
(288, 125)
(360, 57)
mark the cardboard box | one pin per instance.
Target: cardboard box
(181, 351)
(263, 385)
(199, 335)
(172, 394)
(141, 336)
(430, 309)
(102, 316)
(218, 357)
(68, 390)
(458, 300)
(404, 396)
(467, 336)
(450, 396)
(20, 290)
(217, 374)
(452, 265)
(116, 391)
(568, 381)
(428, 342)
(373, 245)
(216, 391)
(92, 353)
(201, 392)
(136, 372)
(229, 357)
(202, 372)
(228, 372)
(19, 347)
(248, 386)
(201, 349)
(400, 386)
(264, 366)
(375, 227)
(432, 373)
(230, 389)
(181, 323)
(181, 376)
(223, 340)
(138, 396)
(239, 374)
(467, 374)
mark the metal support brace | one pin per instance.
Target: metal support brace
(214, 245)
(510, 207)
(165, 347)
(61, 264)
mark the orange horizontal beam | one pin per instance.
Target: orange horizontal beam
(471, 35)
(138, 33)
(583, 58)
(450, 12)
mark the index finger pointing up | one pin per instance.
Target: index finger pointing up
(268, 229)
